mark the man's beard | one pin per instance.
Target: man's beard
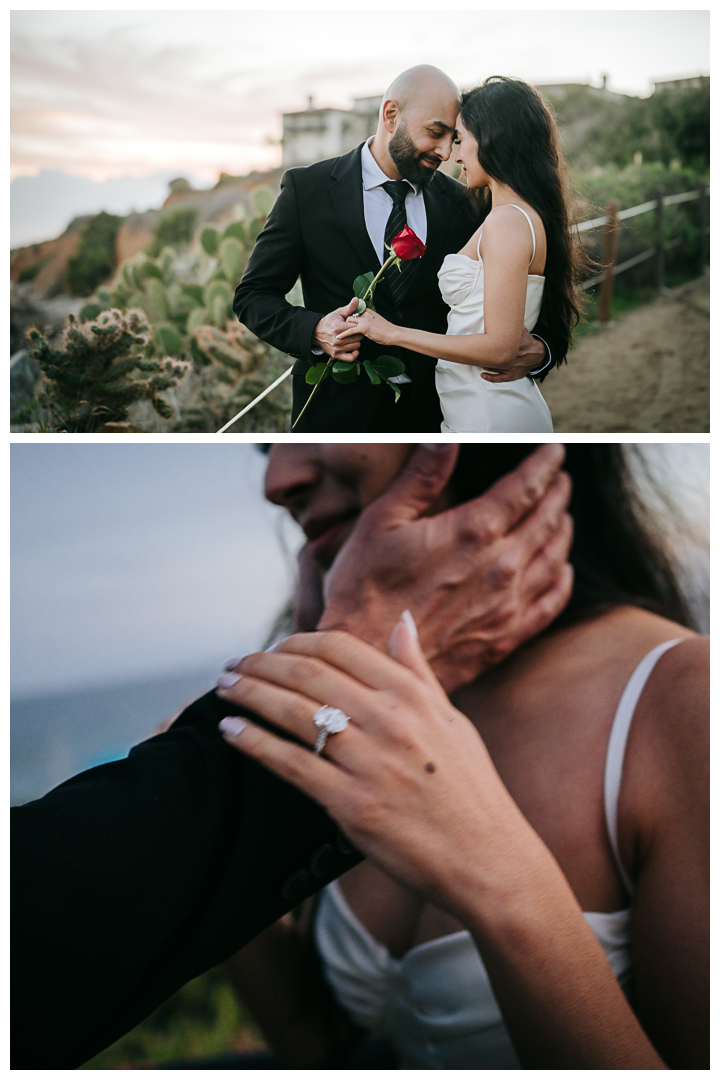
(408, 159)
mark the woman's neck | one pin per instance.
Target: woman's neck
(502, 194)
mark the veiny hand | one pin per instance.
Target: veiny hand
(372, 326)
(409, 781)
(479, 579)
(326, 335)
(530, 357)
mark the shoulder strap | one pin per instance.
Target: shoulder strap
(617, 743)
(532, 230)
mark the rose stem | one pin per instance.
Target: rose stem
(368, 292)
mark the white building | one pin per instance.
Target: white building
(694, 82)
(315, 134)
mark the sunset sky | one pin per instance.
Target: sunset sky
(104, 94)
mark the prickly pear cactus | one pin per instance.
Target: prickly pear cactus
(209, 239)
(187, 297)
(263, 199)
(232, 258)
(156, 305)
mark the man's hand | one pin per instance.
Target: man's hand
(530, 357)
(479, 579)
(326, 333)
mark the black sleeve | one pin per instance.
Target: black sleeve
(557, 346)
(134, 877)
(274, 267)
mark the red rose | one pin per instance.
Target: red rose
(407, 245)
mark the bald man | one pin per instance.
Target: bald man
(330, 224)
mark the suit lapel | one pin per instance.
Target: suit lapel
(346, 193)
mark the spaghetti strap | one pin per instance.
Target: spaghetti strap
(617, 743)
(532, 229)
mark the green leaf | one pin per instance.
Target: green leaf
(372, 373)
(315, 374)
(360, 287)
(361, 307)
(345, 376)
(388, 366)
(397, 393)
(344, 365)
(362, 284)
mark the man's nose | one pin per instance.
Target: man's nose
(293, 470)
(445, 147)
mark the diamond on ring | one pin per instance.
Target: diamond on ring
(330, 721)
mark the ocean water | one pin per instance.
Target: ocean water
(55, 736)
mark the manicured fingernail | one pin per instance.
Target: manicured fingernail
(232, 725)
(232, 663)
(227, 680)
(410, 623)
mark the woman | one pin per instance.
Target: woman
(519, 261)
(535, 891)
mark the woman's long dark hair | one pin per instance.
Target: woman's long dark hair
(617, 555)
(518, 145)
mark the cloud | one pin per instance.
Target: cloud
(116, 93)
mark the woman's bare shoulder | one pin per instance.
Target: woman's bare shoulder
(678, 690)
(669, 738)
(506, 231)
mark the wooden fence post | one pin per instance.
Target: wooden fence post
(703, 225)
(609, 257)
(659, 240)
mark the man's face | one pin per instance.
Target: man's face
(422, 140)
(326, 486)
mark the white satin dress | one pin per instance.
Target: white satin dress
(469, 403)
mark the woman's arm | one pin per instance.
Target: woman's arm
(506, 250)
(279, 979)
(412, 785)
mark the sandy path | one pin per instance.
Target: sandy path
(650, 371)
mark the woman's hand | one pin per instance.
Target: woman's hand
(411, 783)
(409, 780)
(372, 326)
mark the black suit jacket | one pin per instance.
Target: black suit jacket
(134, 877)
(316, 231)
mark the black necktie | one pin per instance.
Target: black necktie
(398, 282)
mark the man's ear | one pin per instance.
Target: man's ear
(390, 115)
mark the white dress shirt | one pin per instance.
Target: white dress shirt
(378, 204)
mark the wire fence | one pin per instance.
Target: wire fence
(610, 222)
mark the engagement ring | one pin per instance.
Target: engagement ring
(330, 721)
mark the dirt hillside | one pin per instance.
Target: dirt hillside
(650, 371)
